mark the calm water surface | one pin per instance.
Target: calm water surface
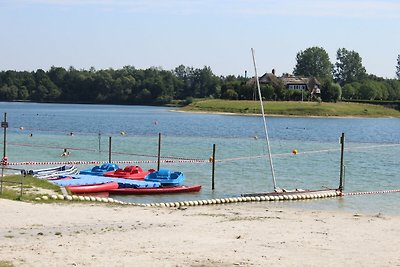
(371, 157)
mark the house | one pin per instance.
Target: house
(270, 78)
(294, 82)
(290, 81)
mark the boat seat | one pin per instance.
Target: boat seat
(163, 174)
(128, 169)
(137, 169)
(104, 166)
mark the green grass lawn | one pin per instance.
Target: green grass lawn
(31, 187)
(284, 108)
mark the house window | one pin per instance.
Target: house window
(297, 86)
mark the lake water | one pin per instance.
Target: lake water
(371, 156)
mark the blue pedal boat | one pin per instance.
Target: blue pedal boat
(100, 170)
(166, 177)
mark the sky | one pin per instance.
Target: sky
(38, 34)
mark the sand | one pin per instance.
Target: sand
(241, 234)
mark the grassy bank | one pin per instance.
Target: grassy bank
(31, 187)
(293, 108)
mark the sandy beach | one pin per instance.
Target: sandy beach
(241, 234)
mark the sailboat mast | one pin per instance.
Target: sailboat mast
(265, 122)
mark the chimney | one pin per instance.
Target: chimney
(273, 71)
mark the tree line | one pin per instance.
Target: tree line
(346, 79)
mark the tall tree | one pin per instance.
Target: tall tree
(348, 67)
(398, 67)
(313, 62)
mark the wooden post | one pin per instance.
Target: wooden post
(159, 152)
(341, 183)
(2, 177)
(109, 149)
(22, 186)
(99, 141)
(213, 169)
(4, 124)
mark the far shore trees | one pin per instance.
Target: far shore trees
(347, 79)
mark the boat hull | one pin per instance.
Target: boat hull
(51, 173)
(156, 190)
(95, 188)
(84, 180)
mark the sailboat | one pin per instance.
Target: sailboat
(279, 191)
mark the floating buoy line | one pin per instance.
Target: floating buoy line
(216, 201)
(371, 192)
(293, 196)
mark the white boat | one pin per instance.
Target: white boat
(278, 191)
(53, 172)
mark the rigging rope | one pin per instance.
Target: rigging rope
(103, 134)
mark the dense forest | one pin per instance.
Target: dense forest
(346, 79)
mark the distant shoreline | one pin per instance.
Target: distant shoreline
(390, 113)
(291, 109)
(281, 115)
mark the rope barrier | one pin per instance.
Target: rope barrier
(95, 150)
(93, 162)
(118, 133)
(169, 159)
(371, 192)
(66, 132)
(53, 147)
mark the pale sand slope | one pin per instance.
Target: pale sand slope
(243, 234)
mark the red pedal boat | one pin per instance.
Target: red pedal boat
(156, 190)
(129, 172)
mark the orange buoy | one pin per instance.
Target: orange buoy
(294, 152)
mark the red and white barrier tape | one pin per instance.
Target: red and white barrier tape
(80, 162)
